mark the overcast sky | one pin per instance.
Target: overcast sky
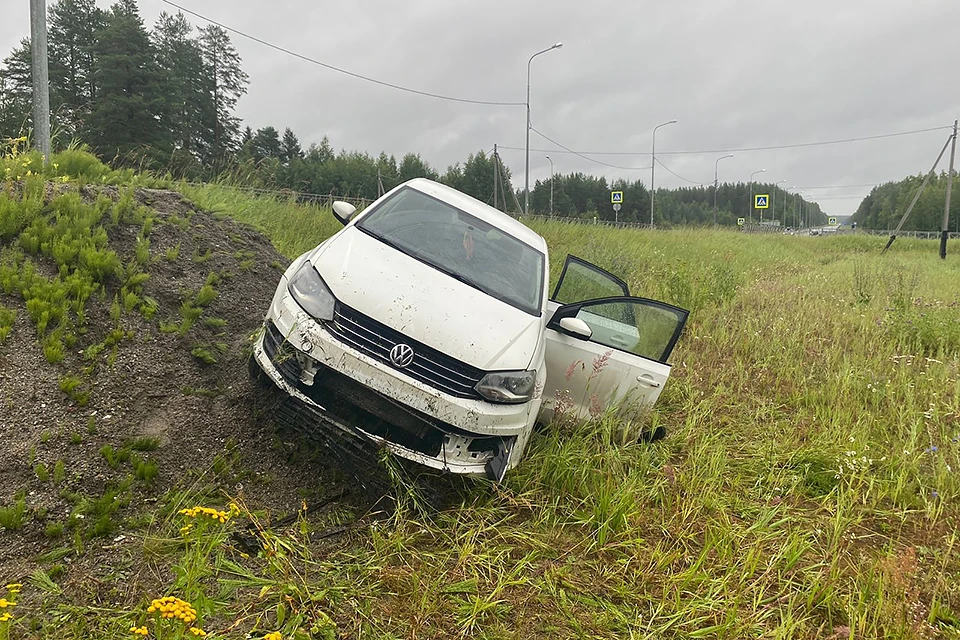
(733, 73)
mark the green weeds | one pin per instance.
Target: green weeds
(12, 517)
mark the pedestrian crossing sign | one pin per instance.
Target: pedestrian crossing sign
(761, 201)
(616, 197)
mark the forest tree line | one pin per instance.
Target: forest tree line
(164, 99)
(885, 205)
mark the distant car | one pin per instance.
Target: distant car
(425, 326)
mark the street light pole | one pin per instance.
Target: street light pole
(526, 173)
(750, 207)
(551, 186)
(773, 202)
(716, 168)
(653, 166)
(41, 88)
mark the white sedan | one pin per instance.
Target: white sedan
(425, 325)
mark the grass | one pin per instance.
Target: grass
(807, 488)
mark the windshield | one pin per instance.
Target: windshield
(460, 245)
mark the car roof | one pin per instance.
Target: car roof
(481, 210)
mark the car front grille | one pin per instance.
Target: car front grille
(349, 402)
(281, 353)
(429, 366)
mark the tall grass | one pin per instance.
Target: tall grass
(807, 488)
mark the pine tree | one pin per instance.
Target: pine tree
(16, 92)
(225, 82)
(128, 115)
(74, 28)
(290, 146)
(266, 144)
(180, 61)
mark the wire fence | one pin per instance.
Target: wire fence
(327, 200)
(319, 199)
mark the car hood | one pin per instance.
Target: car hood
(426, 304)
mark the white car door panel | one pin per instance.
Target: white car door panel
(624, 362)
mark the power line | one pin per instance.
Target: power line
(568, 150)
(742, 149)
(699, 184)
(343, 71)
(844, 186)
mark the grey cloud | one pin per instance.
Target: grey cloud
(734, 73)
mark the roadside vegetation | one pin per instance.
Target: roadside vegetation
(807, 487)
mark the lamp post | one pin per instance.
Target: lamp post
(526, 173)
(797, 219)
(750, 208)
(551, 186)
(716, 166)
(653, 166)
(773, 201)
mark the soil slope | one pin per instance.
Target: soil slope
(92, 466)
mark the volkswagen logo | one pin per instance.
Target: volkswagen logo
(401, 355)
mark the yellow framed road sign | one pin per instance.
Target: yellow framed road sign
(741, 221)
(616, 197)
(761, 201)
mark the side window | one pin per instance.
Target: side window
(581, 281)
(644, 328)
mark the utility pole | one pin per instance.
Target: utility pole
(551, 186)
(526, 171)
(773, 203)
(750, 207)
(495, 171)
(653, 166)
(41, 82)
(716, 166)
(916, 196)
(946, 207)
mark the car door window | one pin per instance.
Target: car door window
(582, 281)
(642, 327)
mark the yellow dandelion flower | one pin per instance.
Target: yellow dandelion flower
(200, 633)
(4, 603)
(5, 616)
(275, 635)
(14, 586)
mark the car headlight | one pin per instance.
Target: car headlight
(308, 289)
(509, 387)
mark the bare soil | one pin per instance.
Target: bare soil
(156, 389)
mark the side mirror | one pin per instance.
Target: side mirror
(342, 211)
(576, 327)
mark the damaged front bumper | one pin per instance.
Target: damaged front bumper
(355, 420)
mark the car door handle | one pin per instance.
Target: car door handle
(648, 380)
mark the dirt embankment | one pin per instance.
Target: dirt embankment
(169, 406)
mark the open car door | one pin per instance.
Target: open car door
(605, 347)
